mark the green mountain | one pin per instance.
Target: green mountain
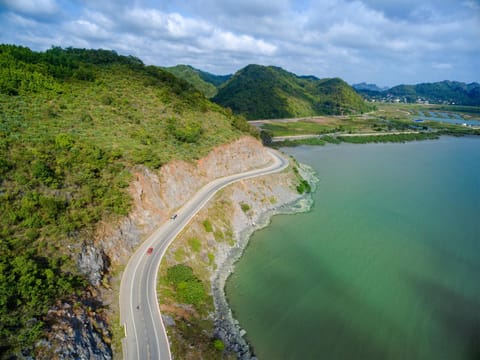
(450, 92)
(266, 92)
(73, 123)
(203, 81)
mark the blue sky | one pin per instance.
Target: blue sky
(384, 42)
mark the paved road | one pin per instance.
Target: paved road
(145, 336)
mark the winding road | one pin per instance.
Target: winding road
(145, 336)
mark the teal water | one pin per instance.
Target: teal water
(451, 118)
(385, 266)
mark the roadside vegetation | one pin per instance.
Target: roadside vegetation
(73, 123)
(185, 285)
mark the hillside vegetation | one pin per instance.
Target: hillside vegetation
(73, 122)
(449, 92)
(203, 81)
(267, 92)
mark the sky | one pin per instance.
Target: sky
(376, 41)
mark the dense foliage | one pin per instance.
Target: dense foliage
(189, 289)
(268, 92)
(450, 92)
(205, 82)
(73, 122)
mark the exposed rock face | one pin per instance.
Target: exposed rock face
(92, 262)
(156, 195)
(78, 333)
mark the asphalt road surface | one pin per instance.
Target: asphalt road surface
(145, 336)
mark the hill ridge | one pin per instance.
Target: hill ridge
(258, 91)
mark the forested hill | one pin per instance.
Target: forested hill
(205, 82)
(263, 92)
(73, 123)
(448, 92)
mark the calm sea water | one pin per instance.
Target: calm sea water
(385, 266)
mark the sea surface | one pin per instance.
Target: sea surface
(385, 266)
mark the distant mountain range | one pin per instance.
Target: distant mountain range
(443, 92)
(370, 87)
(265, 92)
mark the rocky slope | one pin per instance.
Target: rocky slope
(82, 327)
(155, 195)
(211, 251)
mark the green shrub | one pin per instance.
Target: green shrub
(245, 207)
(218, 345)
(64, 141)
(179, 273)
(303, 187)
(207, 225)
(179, 254)
(43, 172)
(211, 258)
(183, 131)
(191, 292)
(189, 289)
(218, 234)
(195, 244)
(84, 73)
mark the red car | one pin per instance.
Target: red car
(149, 251)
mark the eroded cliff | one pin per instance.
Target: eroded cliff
(87, 327)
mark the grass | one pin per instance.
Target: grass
(195, 244)
(207, 225)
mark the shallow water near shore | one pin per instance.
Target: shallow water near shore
(385, 266)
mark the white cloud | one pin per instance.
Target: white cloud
(87, 30)
(227, 41)
(372, 40)
(32, 7)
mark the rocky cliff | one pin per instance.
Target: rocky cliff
(82, 328)
(210, 245)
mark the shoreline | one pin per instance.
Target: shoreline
(227, 328)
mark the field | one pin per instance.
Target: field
(387, 119)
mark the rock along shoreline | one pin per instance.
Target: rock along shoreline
(227, 327)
